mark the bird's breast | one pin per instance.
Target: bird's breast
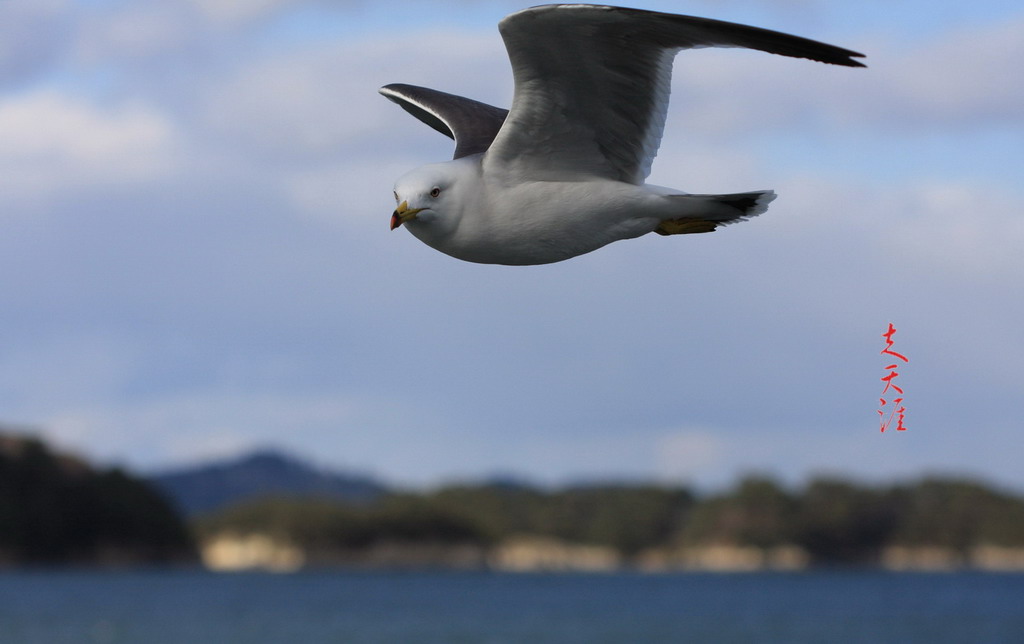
(545, 222)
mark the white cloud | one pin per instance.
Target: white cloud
(690, 455)
(350, 194)
(963, 78)
(54, 143)
(229, 11)
(137, 31)
(966, 77)
(323, 102)
(958, 230)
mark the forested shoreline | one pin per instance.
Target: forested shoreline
(56, 509)
(935, 522)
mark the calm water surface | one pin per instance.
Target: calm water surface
(192, 606)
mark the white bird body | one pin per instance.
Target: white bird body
(528, 222)
(562, 173)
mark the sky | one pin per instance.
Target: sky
(195, 258)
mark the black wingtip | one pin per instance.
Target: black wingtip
(849, 61)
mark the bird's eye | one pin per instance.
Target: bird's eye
(396, 196)
(436, 192)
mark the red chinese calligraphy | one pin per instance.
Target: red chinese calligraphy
(897, 410)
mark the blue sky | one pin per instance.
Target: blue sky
(196, 261)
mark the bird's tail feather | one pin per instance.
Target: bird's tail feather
(704, 213)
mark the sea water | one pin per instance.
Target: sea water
(153, 607)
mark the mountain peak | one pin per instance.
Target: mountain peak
(261, 473)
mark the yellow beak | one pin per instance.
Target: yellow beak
(403, 214)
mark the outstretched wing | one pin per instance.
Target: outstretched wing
(472, 124)
(592, 85)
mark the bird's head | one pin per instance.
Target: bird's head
(428, 199)
(420, 197)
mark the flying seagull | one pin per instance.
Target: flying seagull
(562, 173)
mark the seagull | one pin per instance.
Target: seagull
(562, 172)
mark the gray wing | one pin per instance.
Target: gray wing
(472, 124)
(592, 85)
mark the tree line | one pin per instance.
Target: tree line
(834, 521)
(56, 509)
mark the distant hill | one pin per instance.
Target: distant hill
(58, 509)
(265, 473)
